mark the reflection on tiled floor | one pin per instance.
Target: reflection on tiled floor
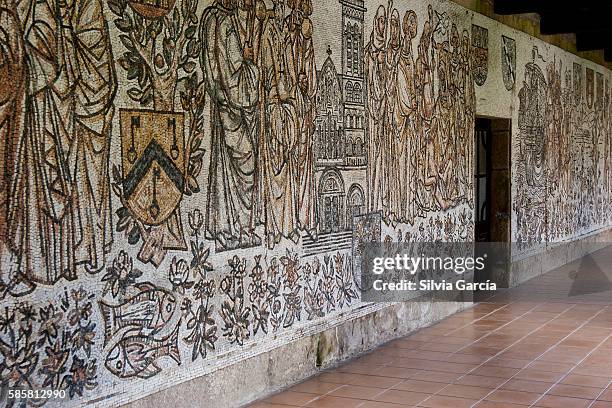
(531, 346)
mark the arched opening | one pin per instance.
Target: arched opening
(331, 201)
(358, 149)
(355, 203)
(357, 95)
(348, 91)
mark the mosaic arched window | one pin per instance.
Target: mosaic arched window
(357, 94)
(348, 91)
(355, 203)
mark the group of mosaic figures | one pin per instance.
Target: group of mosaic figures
(257, 59)
(57, 104)
(564, 149)
(259, 71)
(57, 89)
(420, 115)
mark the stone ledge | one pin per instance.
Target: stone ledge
(267, 373)
(555, 256)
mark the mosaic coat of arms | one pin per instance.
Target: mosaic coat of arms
(480, 54)
(152, 147)
(590, 87)
(508, 56)
(577, 78)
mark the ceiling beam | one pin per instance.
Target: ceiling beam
(568, 8)
(589, 19)
(568, 22)
(593, 40)
(506, 7)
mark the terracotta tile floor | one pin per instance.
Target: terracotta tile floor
(531, 346)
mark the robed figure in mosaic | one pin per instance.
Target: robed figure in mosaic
(279, 132)
(441, 159)
(304, 79)
(13, 71)
(232, 81)
(424, 85)
(406, 106)
(393, 53)
(58, 212)
(13, 80)
(376, 76)
(468, 113)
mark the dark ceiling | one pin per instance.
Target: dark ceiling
(590, 20)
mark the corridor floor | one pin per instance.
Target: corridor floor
(546, 343)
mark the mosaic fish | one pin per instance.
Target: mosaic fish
(150, 309)
(137, 355)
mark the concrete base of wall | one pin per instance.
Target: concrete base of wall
(269, 372)
(557, 255)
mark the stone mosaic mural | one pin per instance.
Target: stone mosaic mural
(184, 179)
(562, 152)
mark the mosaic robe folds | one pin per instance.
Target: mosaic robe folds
(376, 76)
(406, 114)
(425, 106)
(392, 156)
(469, 115)
(232, 84)
(278, 145)
(60, 176)
(13, 80)
(304, 77)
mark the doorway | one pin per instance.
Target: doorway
(331, 202)
(492, 201)
(492, 180)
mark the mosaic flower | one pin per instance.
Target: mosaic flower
(120, 275)
(199, 262)
(79, 312)
(203, 335)
(49, 319)
(6, 320)
(54, 365)
(83, 338)
(238, 266)
(196, 220)
(236, 321)
(178, 275)
(82, 376)
(28, 314)
(204, 289)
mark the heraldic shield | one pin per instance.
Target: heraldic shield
(480, 54)
(590, 87)
(153, 161)
(508, 62)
